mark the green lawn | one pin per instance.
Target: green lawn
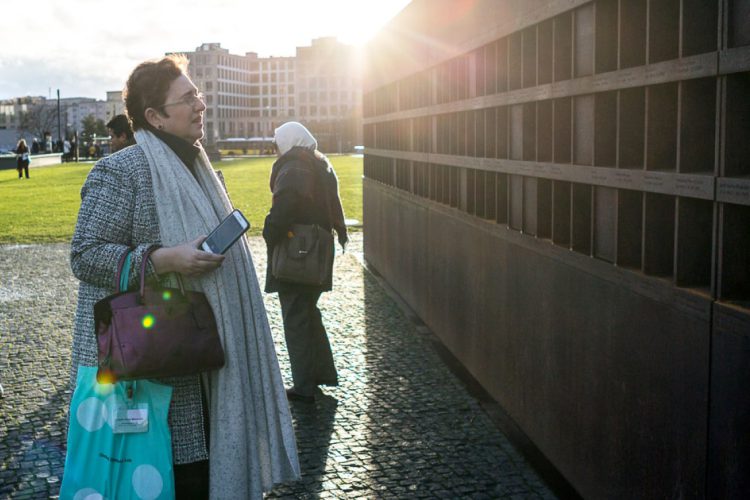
(44, 208)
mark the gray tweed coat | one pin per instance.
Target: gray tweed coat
(118, 212)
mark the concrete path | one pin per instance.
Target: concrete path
(400, 425)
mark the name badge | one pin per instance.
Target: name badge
(130, 418)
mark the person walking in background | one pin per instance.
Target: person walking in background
(231, 425)
(23, 158)
(305, 191)
(66, 150)
(120, 133)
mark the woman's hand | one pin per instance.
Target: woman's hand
(186, 259)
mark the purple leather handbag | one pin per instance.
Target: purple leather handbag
(155, 332)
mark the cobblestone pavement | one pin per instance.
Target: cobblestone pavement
(400, 425)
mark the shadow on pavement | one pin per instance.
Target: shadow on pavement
(313, 426)
(427, 437)
(32, 463)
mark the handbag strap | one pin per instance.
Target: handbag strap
(142, 276)
(125, 273)
(122, 265)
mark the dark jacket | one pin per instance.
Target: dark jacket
(20, 162)
(300, 182)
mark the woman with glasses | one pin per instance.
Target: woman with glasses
(231, 429)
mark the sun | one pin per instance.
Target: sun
(356, 22)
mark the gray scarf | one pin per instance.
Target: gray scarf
(252, 438)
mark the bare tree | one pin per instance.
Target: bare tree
(39, 118)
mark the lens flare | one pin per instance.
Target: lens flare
(148, 321)
(166, 295)
(105, 380)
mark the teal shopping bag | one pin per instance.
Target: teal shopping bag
(119, 445)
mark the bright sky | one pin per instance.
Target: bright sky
(86, 47)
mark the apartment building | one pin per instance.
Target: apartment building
(249, 96)
(245, 95)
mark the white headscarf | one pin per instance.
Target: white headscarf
(293, 134)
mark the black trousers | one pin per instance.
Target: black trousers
(310, 353)
(24, 168)
(191, 481)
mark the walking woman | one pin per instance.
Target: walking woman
(23, 158)
(232, 435)
(305, 191)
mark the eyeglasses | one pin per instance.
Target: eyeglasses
(189, 100)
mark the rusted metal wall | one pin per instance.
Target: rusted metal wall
(560, 190)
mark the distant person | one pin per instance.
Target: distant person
(92, 151)
(35, 146)
(120, 132)
(23, 158)
(305, 191)
(66, 150)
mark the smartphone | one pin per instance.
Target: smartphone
(231, 228)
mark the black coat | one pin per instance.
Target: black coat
(19, 162)
(300, 181)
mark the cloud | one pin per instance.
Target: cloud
(85, 47)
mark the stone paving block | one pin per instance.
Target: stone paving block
(399, 425)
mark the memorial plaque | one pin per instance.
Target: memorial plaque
(730, 190)
(694, 186)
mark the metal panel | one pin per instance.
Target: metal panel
(583, 119)
(516, 315)
(605, 206)
(729, 434)
(619, 128)
(584, 40)
(690, 185)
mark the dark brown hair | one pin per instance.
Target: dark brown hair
(120, 125)
(148, 85)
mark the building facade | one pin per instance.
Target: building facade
(329, 93)
(249, 96)
(245, 95)
(560, 190)
(31, 116)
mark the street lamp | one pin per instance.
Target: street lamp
(59, 131)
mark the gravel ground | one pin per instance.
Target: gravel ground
(400, 425)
